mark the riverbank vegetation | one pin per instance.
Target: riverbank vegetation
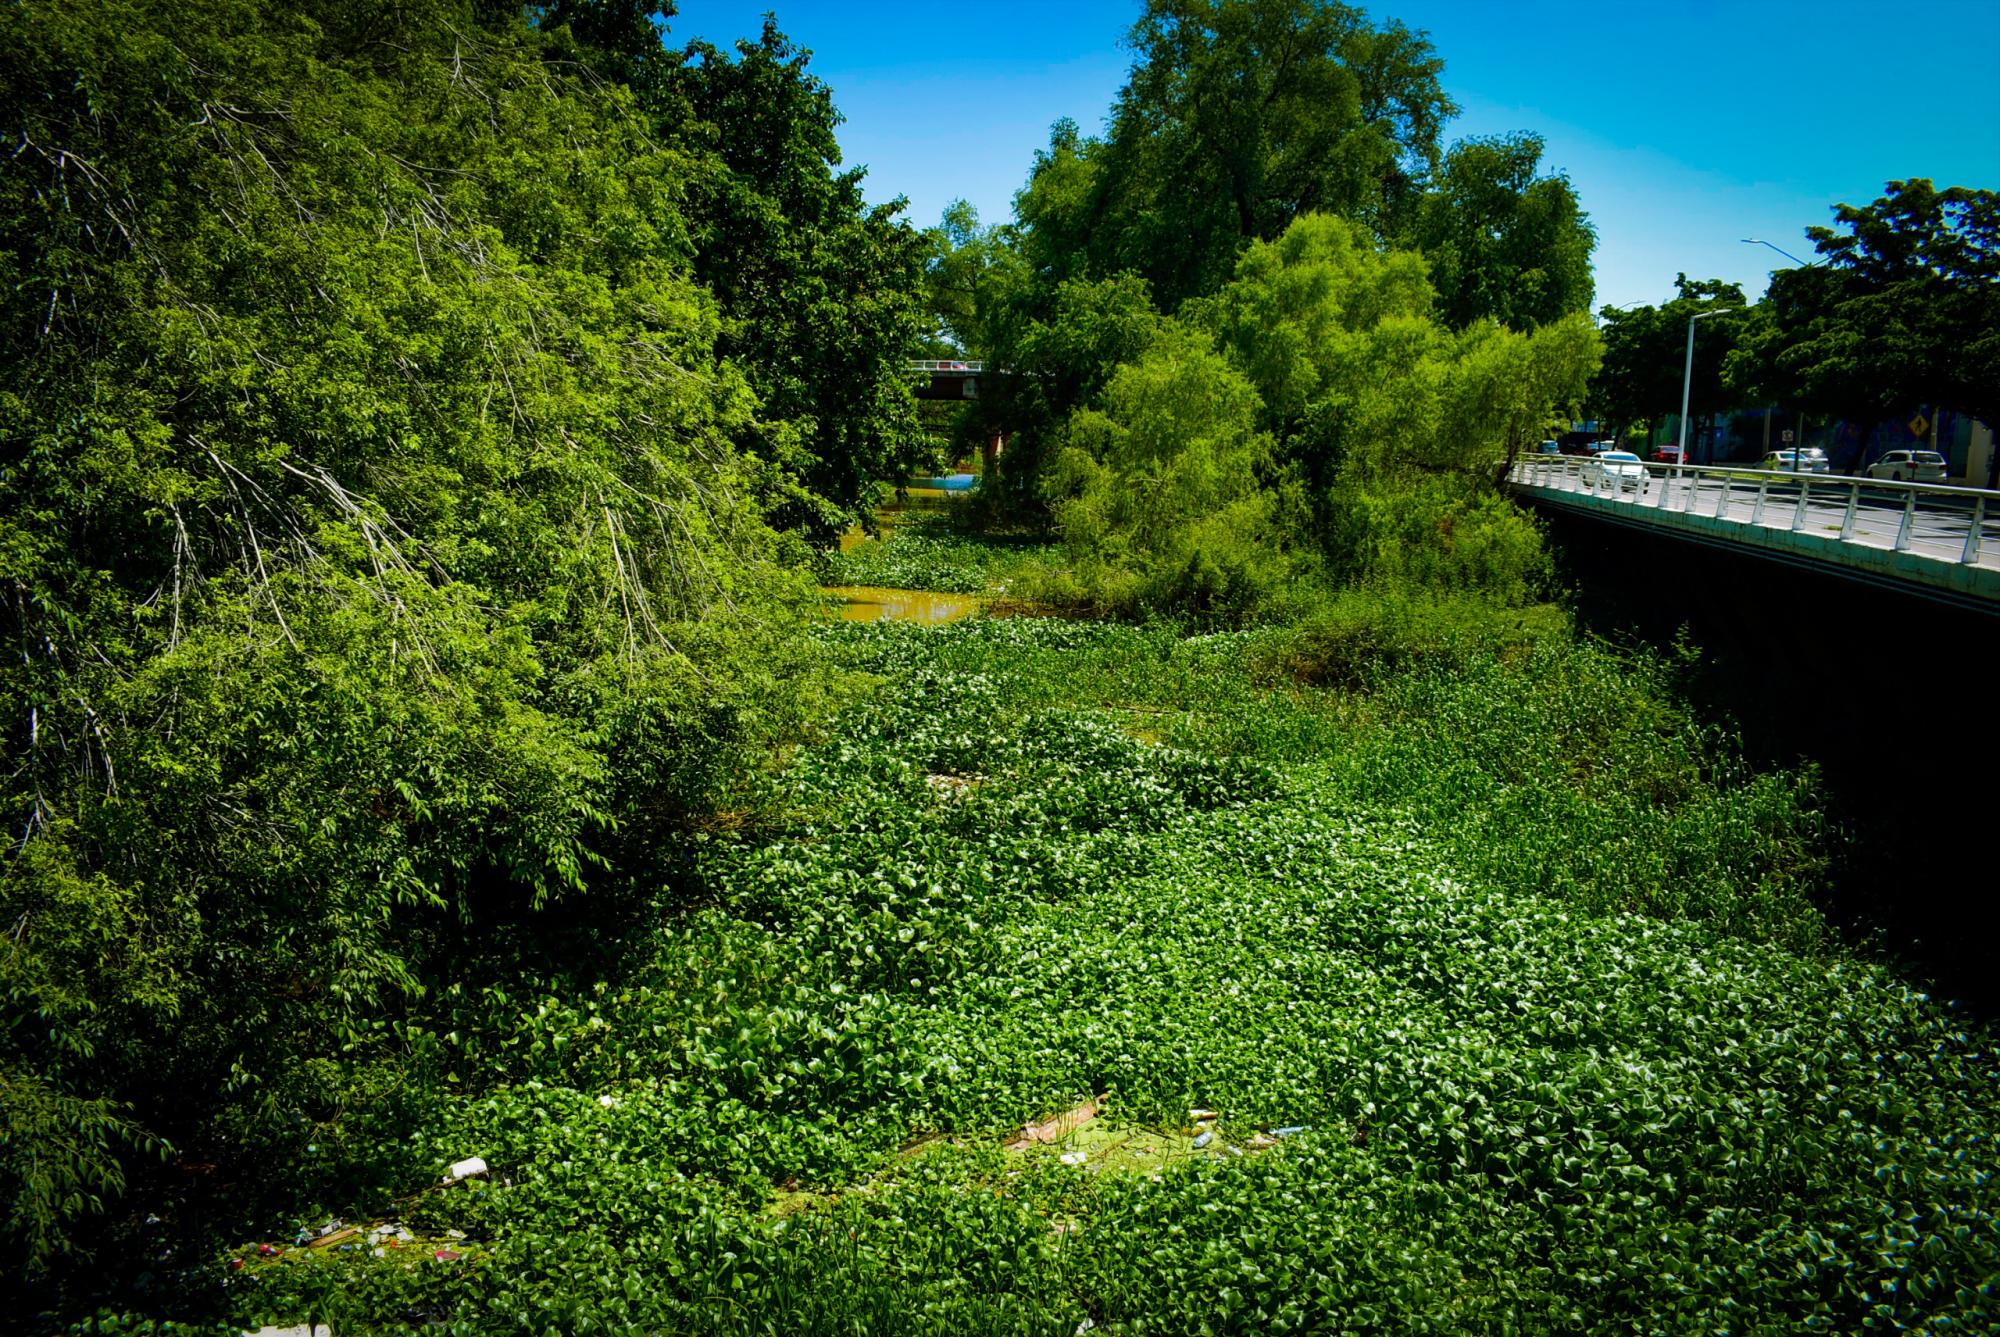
(425, 428)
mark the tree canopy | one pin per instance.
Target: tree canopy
(392, 406)
(1503, 242)
(1902, 312)
(1239, 116)
(1645, 354)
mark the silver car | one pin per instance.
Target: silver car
(1614, 468)
(1909, 466)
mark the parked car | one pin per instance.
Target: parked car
(1550, 448)
(1667, 454)
(1794, 461)
(1909, 466)
(1615, 467)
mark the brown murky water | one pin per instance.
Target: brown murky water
(869, 603)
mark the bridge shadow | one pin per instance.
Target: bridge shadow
(1895, 697)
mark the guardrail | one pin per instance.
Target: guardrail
(1960, 525)
(945, 364)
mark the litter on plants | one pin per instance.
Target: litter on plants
(1062, 1125)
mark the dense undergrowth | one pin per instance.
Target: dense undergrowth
(1514, 940)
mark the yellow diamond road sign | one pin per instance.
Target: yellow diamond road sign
(1919, 425)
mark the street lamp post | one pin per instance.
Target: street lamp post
(1759, 241)
(1799, 445)
(1687, 373)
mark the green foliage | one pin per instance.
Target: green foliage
(1330, 417)
(1521, 944)
(1239, 116)
(924, 553)
(1901, 313)
(1158, 487)
(819, 293)
(1363, 639)
(62, 1158)
(1503, 243)
(1441, 534)
(1645, 354)
(971, 274)
(1322, 317)
(380, 564)
(1062, 347)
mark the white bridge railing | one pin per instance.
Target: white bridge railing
(944, 364)
(1951, 524)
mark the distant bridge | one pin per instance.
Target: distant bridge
(1923, 539)
(947, 379)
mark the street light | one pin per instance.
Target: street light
(1597, 317)
(1799, 445)
(1687, 375)
(1759, 241)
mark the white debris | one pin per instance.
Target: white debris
(469, 1168)
(1074, 1158)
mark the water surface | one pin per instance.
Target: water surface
(871, 603)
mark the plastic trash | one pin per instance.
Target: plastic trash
(1203, 1140)
(1288, 1132)
(1074, 1158)
(447, 1255)
(469, 1168)
(1201, 1116)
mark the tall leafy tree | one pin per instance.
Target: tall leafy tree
(377, 559)
(1504, 243)
(1902, 313)
(821, 293)
(1645, 357)
(970, 278)
(1238, 117)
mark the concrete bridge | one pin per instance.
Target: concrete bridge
(944, 378)
(1928, 540)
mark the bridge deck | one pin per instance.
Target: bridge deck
(1941, 542)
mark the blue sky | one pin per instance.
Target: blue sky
(1685, 125)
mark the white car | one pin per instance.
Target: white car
(1909, 466)
(1794, 461)
(1619, 468)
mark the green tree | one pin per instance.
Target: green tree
(378, 561)
(1238, 117)
(1338, 336)
(969, 278)
(1504, 243)
(821, 294)
(1645, 358)
(1903, 312)
(1156, 488)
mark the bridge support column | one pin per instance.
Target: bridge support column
(990, 455)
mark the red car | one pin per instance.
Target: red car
(1666, 455)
